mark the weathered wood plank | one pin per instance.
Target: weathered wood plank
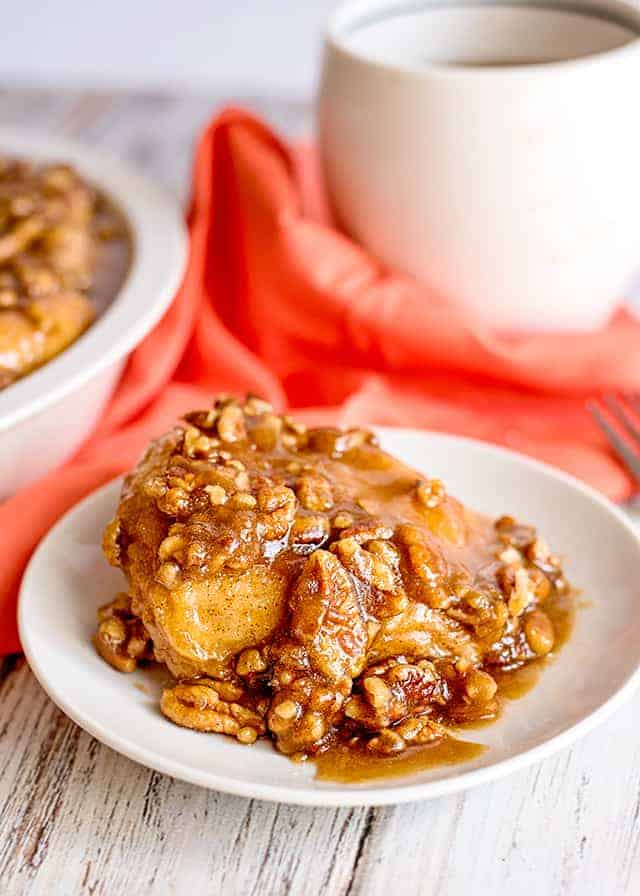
(566, 826)
(76, 817)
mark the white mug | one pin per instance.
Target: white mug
(513, 188)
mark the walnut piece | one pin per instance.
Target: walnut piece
(394, 691)
(121, 638)
(208, 705)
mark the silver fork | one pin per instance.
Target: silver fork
(619, 419)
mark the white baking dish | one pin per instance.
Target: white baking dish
(45, 416)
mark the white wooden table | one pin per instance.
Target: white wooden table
(76, 817)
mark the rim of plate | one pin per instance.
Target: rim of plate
(159, 237)
(341, 796)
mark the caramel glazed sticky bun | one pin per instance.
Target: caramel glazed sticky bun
(303, 584)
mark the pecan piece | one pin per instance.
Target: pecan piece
(277, 506)
(398, 690)
(207, 705)
(266, 432)
(484, 611)
(326, 617)
(305, 706)
(302, 715)
(369, 530)
(539, 632)
(364, 565)
(427, 564)
(121, 638)
(254, 405)
(195, 444)
(353, 438)
(310, 530)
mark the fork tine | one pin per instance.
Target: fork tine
(621, 413)
(620, 445)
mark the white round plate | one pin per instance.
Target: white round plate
(595, 672)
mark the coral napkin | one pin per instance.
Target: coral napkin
(276, 301)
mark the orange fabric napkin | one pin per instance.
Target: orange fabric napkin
(276, 301)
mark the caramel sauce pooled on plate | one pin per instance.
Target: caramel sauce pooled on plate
(345, 765)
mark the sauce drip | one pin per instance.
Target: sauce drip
(345, 765)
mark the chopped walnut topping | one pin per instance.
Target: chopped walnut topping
(368, 531)
(266, 432)
(217, 494)
(243, 501)
(175, 502)
(231, 424)
(427, 564)
(173, 546)
(430, 493)
(342, 521)
(399, 690)
(310, 530)
(480, 686)
(168, 574)
(250, 662)
(387, 743)
(510, 556)
(196, 444)
(204, 420)
(305, 705)
(299, 584)
(314, 492)
(208, 705)
(419, 730)
(294, 426)
(484, 611)
(278, 506)
(121, 639)
(254, 406)
(353, 438)
(366, 566)
(385, 551)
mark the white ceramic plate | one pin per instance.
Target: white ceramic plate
(594, 673)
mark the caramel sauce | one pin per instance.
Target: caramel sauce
(314, 600)
(516, 683)
(344, 765)
(112, 261)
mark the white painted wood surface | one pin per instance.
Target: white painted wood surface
(77, 818)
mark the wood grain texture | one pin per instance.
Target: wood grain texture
(76, 818)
